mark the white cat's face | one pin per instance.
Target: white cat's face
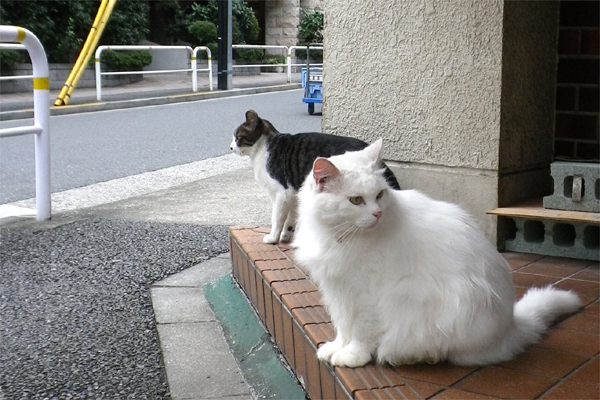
(350, 190)
(356, 201)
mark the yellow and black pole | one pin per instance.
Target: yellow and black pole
(104, 11)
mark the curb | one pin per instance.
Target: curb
(151, 101)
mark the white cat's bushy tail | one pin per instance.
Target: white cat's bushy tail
(533, 315)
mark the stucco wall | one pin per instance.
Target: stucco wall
(430, 78)
(425, 76)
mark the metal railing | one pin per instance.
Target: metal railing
(41, 113)
(193, 65)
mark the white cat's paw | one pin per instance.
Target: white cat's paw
(327, 350)
(271, 239)
(350, 358)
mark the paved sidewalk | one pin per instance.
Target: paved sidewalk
(156, 232)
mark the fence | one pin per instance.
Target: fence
(193, 69)
(41, 113)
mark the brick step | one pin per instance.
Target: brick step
(289, 306)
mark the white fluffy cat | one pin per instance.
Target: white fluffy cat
(408, 279)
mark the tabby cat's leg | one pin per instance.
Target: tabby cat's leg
(278, 216)
(290, 222)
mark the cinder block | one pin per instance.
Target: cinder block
(553, 238)
(576, 187)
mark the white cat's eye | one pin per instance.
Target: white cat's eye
(356, 200)
(380, 195)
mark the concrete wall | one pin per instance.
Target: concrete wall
(431, 79)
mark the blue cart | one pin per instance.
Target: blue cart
(312, 82)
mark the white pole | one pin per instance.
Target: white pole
(98, 72)
(41, 113)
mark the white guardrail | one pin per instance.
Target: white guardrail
(194, 65)
(41, 112)
(286, 51)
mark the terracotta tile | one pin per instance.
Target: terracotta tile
(269, 323)
(424, 390)
(593, 308)
(327, 382)
(308, 315)
(531, 280)
(300, 349)
(252, 272)
(570, 390)
(549, 269)
(507, 383)
(309, 299)
(544, 361)
(366, 395)
(290, 301)
(583, 288)
(278, 323)
(373, 376)
(455, 394)
(581, 322)
(315, 334)
(270, 265)
(288, 338)
(254, 246)
(520, 292)
(283, 275)
(564, 262)
(266, 255)
(313, 373)
(341, 391)
(350, 379)
(588, 274)
(442, 374)
(260, 290)
(518, 260)
(391, 375)
(571, 342)
(291, 287)
(262, 229)
(589, 373)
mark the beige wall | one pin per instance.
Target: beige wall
(429, 78)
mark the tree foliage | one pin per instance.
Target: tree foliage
(63, 25)
(310, 29)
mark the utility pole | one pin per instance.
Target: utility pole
(224, 69)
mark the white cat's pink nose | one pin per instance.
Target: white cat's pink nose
(377, 214)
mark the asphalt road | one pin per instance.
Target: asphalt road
(94, 147)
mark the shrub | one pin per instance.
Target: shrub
(203, 32)
(8, 58)
(126, 60)
(310, 29)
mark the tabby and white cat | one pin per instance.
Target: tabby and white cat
(407, 279)
(282, 161)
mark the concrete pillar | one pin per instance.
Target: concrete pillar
(460, 92)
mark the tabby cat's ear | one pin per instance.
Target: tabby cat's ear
(323, 172)
(252, 118)
(374, 151)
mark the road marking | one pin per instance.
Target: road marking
(129, 186)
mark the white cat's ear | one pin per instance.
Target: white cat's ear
(324, 171)
(374, 151)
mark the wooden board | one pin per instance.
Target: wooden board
(533, 209)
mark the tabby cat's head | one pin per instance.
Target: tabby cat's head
(247, 134)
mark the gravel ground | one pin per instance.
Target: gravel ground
(76, 320)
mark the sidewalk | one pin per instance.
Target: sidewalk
(108, 296)
(152, 90)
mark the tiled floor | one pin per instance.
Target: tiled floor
(563, 365)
